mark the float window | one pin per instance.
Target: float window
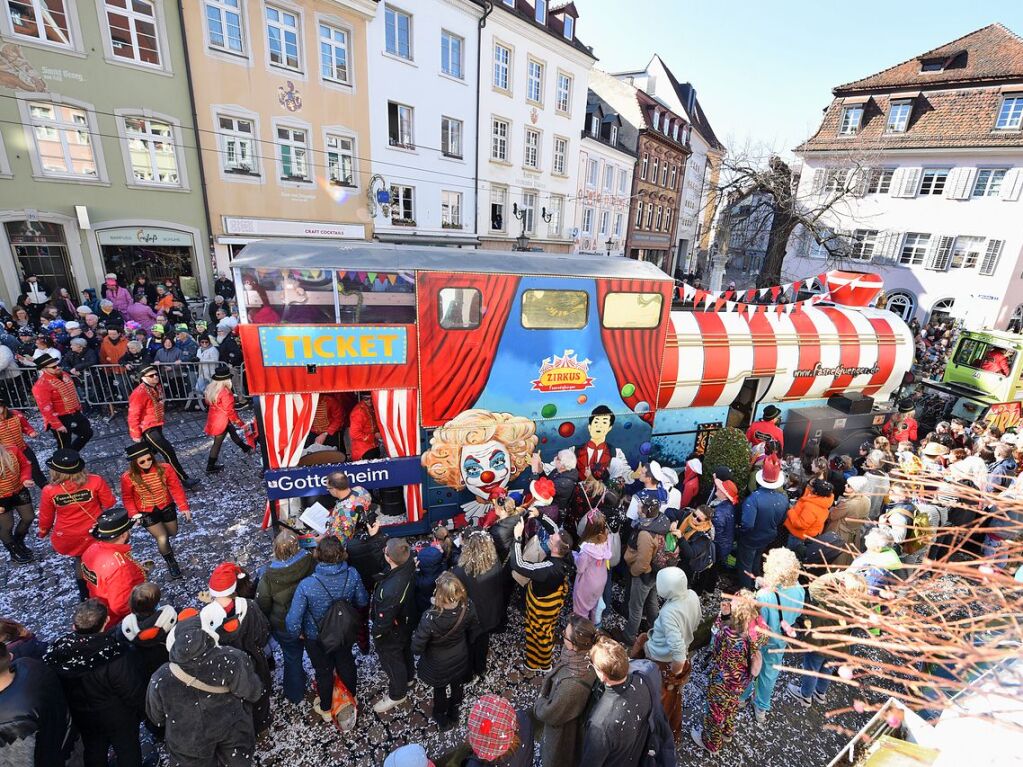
(632, 310)
(459, 308)
(554, 309)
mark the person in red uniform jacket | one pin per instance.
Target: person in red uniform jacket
(15, 503)
(70, 505)
(153, 495)
(146, 420)
(327, 422)
(902, 426)
(221, 419)
(108, 567)
(14, 427)
(58, 403)
(766, 428)
(996, 361)
(362, 430)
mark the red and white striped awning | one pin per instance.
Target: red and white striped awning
(810, 354)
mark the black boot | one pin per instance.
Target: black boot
(83, 590)
(19, 543)
(17, 557)
(172, 566)
(213, 468)
(189, 482)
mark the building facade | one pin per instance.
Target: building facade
(282, 95)
(423, 71)
(532, 102)
(929, 156)
(607, 159)
(749, 232)
(99, 170)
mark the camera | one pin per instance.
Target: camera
(365, 519)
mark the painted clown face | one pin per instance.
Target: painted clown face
(485, 468)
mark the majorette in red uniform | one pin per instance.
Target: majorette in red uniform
(59, 406)
(109, 569)
(15, 503)
(71, 509)
(146, 419)
(14, 427)
(152, 494)
(902, 426)
(222, 420)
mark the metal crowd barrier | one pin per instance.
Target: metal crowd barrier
(112, 384)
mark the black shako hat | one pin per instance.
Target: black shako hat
(906, 406)
(137, 450)
(111, 524)
(66, 460)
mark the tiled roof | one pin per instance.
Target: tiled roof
(990, 54)
(959, 118)
(555, 26)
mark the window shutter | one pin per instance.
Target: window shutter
(960, 183)
(859, 181)
(940, 255)
(990, 261)
(910, 182)
(884, 250)
(896, 185)
(1012, 185)
(818, 181)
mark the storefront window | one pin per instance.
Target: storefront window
(156, 263)
(40, 249)
(295, 296)
(377, 297)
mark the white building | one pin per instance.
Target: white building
(606, 163)
(532, 96)
(749, 229)
(704, 164)
(932, 153)
(423, 85)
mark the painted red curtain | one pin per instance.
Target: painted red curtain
(287, 421)
(397, 414)
(455, 364)
(635, 353)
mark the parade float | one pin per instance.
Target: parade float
(474, 360)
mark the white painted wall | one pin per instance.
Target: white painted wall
(613, 203)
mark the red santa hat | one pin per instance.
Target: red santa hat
(224, 579)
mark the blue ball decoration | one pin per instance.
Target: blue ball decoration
(642, 407)
(645, 448)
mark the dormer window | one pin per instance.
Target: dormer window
(852, 116)
(569, 28)
(594, 125)
(1010, 115)
(614, 135)
(898, 116)
(932, 65)
(657, 120)
(541, 11)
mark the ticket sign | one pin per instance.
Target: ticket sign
(301, 345)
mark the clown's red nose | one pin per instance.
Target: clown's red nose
(487, 477)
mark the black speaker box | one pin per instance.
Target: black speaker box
(853, 403)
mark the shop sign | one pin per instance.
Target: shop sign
(304, 481)
(268, 227)
(145, 235)
(565, 373)
(301, 345)
(639, 238)
(1004, 415)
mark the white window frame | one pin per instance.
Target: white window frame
(74, 33)
(613, 136)
(640, 211)
(934, 174)
(503, 69)
(176, 140)
(650, 210)
(896, 121)
(660, 218)
(655, 170)
(449, 123)
(569, 30)
(863, 244)
(618, 225)
(5, 164)
(530, 211)
(644, 165)
(592, 172)
(501, 195)
(396, 53)
(846, 126)
(674, 176)
(595, 125)
(535, 80)
(667, 218)
(657, 119)
(559, 156)
(399, 143)
(532, 150)
(283, 30)
(664, 174)
(344, 134)
(990, 185)
(160, 27)
(91, 126)
(587, 223)
(563, 97)
(1011, 109)
(451, 210)
(397, 203)
(235, 113)
(540, 12)
(557, 212)
(609, 178)
(920, 248)
(224, 9)
(333, 27)
(310, 158)
(445, 37)
(603, 228)
(623, 179)
(500, 136)
(879, 181)
(969, 260)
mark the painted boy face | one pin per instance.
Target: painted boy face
(599, 428)
(485, 468)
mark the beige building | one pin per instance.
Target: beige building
(282, 96)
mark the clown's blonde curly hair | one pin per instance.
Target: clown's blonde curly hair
(474, 427)
(744, 610)
(781, 568)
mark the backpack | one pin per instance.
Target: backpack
(920, 533)
(663, 556)
(703, 554)
(340, 624)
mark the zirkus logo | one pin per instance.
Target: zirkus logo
(838, 370)
(564, 373)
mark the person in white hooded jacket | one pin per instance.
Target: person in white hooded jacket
(668, 641)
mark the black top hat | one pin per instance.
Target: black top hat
(111, 524)
(222, 374)
(45, 361)
(905, 406)
(723, 473)
(66, 460)
(771, 412)
(137, 450)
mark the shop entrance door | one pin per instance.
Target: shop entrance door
(41, 249)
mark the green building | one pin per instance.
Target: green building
(99, 170)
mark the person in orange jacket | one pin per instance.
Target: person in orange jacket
(222, 420)
(109, 569)
(70, 505)
(153, 496)
(59, 406)
(146, 419)
(808, 515)
(362, 430)
(15, 503)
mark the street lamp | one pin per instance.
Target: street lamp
(522, 241)
(609, 244)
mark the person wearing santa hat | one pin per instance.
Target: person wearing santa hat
(763, 513)
(109, 569)
(154, 495)
(238, 622)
